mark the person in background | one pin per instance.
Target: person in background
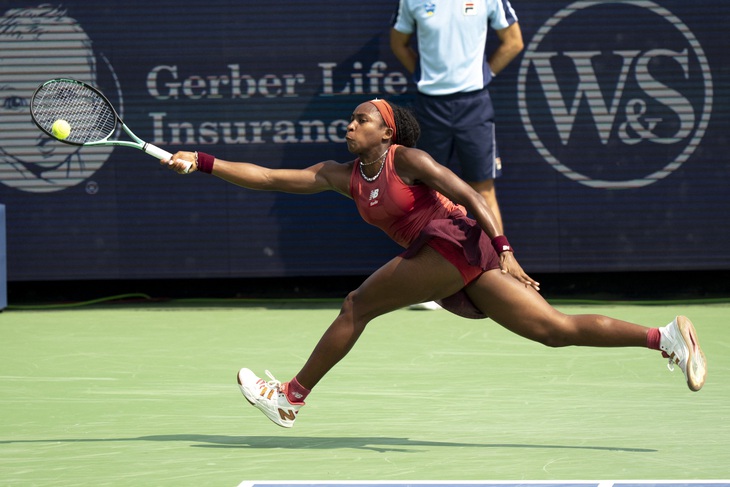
(452, 74)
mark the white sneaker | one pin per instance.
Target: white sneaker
(269, 397)
(680, 345)
(428, 305)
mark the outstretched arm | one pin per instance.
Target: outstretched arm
(323, 176)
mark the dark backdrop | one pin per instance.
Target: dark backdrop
(612, 127)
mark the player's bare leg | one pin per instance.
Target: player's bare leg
(522, 310)
(397, 284)
(525, 312)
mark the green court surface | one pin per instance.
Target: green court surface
(146, 395)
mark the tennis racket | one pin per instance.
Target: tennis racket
(91, 116)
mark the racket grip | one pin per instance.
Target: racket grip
(156, 152)
(162, 154)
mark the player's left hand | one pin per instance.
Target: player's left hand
(509, 265)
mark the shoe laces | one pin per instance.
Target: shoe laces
(273, 383)
(672, 360)
(675, 346)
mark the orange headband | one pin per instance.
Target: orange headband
(386, 111)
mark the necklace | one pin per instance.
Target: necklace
(376, 160)
(382, 165)
(370, 180)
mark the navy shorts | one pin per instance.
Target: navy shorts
(460, 128)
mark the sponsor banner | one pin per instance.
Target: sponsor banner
(612, 130)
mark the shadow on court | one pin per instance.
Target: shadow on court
(377, 444)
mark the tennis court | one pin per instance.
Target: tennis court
(145, 394)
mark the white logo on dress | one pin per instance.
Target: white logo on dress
(374, 197)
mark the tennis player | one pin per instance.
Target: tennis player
(460, 262)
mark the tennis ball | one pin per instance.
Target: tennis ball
(61, 129)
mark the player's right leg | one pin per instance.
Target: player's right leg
(399, 283)
(270, 397)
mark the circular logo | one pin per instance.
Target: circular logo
(30, 160)
(615, 94)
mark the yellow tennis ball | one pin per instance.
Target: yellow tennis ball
(61, 129)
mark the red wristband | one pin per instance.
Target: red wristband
(501, 244)
(204, 162)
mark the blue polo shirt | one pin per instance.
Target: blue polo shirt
(452, 38)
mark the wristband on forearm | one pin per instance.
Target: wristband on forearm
(501, 244)
(204, 162)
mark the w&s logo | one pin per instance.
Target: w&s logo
(615, 94)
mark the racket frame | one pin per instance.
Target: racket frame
(135, 143)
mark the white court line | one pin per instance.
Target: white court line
(448, 483)
(54, 379)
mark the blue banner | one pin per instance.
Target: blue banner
(612, 126)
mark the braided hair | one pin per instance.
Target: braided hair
(407, 129)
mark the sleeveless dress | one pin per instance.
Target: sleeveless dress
(414, 214)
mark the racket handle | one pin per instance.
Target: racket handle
(162, 154)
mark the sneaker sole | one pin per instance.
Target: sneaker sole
(696, 361)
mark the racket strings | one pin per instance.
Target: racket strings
(90, 116)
